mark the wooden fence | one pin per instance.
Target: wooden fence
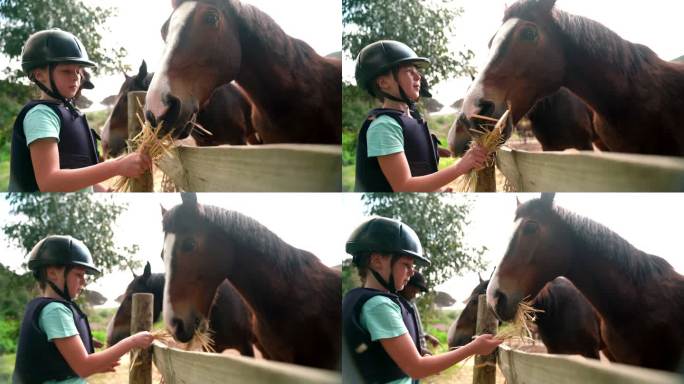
(534, 368)
(589, 172)
(177, 366)
(246, 168)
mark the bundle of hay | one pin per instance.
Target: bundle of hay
(490, 136)
(520, 327)
(148, 142)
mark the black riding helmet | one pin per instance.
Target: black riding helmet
(60, 251)
(53, 46)
(382, 56)
(49, 48)
(389, 236)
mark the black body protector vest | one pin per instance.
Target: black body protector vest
(77, 147)
(420, 148)
(369, 357)
(39, 360)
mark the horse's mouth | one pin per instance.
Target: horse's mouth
(478, 125)
(176, 119)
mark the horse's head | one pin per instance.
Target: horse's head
(526, 62)
(115, 131)
(202, 52)
(538, 252)
(193, 257)
(119, 326)
(464, 329)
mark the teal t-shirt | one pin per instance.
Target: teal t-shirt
(384, 137)
(382, 318)
(41, 122)
(57, 321)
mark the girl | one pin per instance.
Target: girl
(379, 327)
(55, 343)
(53, 149)
(395, 150)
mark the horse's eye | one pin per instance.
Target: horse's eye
(529, 34)
(188, 245)
(530, 228)
(211, 18)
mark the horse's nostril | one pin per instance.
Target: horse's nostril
(486, 107)
(177, 324)
(150, 117)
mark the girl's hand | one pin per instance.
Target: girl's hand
(134, 164)
(142, 339)
(111, 367)
(474, 158)
(485, 344)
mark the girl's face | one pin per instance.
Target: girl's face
(409, 80)
(75, 279)
(67, 78)
(402, 270)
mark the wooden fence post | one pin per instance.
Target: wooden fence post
(486, 179)
(136, 99)
(141, 320)
(484, 371)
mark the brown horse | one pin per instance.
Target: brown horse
(637, 295)
(228, 114)
(213, 42)
(560, 121)
(638, 98)
(295, 298)
(230, 320)
(567, 323)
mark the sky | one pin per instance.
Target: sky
(137, 27)
(321, 224)
(656, 23)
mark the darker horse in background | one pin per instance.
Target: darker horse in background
(230, 320)
(228, 114)
(567, 323)
(560, 121)
(296, 299)
(638, 97)
(213, 42)
(637, 295)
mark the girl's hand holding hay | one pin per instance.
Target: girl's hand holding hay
(485, 344)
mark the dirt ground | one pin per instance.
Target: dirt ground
(121, 374)
(459, 374)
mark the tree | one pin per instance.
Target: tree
(425, 26)
(80, 215)
(439, 221)
(20, 18)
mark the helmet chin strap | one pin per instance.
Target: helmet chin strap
(389, 285)
(64, 294)
(403, 98)
(54, 92)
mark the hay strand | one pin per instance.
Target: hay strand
(490, 138)
(147, 141)
(520, 327)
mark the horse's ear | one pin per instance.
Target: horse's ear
(480, 277)
(162, 209)
(148, 271)
(517, 201)
(189, 198)
(547, 5)
(547, 198)
(142, 73)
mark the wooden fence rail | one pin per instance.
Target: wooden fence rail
(590, 171)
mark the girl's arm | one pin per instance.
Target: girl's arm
(396, 169)
(50, 178)
(402, 350)
(84, 364)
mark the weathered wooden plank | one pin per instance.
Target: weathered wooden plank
(590, 171)
(141, 320)
(530, 368)
(259, 168)
(484, 370)
(198, 367)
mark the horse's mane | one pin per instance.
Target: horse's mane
(593, 37)
(248, 233)
(638, 265)
(256, 23)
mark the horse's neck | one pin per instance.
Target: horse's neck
(275, 68)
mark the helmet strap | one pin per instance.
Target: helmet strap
(54, 92)
(389, 285)
(403, 98)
